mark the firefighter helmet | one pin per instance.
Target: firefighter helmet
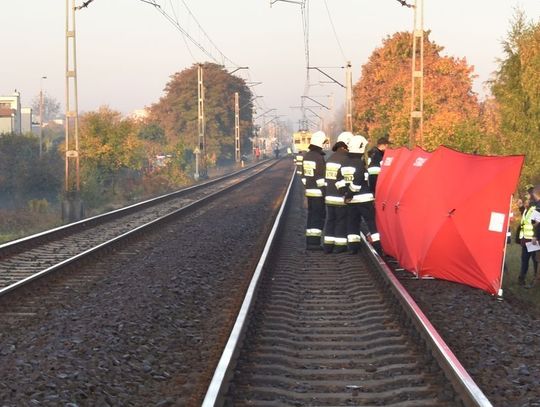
(318, 139)
(357, 144)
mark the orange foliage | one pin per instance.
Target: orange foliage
(382, 96)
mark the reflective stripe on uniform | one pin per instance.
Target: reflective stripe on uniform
(340, 241)
(375, 237)
(341, 184)
(314, 193)
(303, 180)
(334, 200)
(348, 172)
(332, 170)
(314, 232)
(362, 198)
(354, 188)
(329, 240)
(309, 168)
(353, 238)
(321, 182)
(374, 170)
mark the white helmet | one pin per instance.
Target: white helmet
(358, 144)
(318, 138)
(345, 137)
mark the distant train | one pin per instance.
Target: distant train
(301, 140)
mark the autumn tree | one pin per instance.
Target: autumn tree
(516, 89)
(382, 96)
(177, 113)
(109, 144)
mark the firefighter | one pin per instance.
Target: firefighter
(358, 196)
(313, 171)
(375, 156)
(298, 159)
(335, 227)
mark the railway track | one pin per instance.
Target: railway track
(320, 329)
(27, 259)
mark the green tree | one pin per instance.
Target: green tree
(110, 145)
(516, 89)
(23, 174)
(177, 113)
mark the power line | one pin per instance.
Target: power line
(85, 4)
(404, 3)
(334, 29)
(175, 22)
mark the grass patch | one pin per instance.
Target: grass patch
(510, 279)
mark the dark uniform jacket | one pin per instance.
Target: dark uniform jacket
(374, 167)
(355, 176)
(313, 172)
(334, 179)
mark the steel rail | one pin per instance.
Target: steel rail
(64, 230)
(471, 395)
(464, 386)
(133, 232)
(225, 365)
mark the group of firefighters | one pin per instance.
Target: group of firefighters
(340, 192)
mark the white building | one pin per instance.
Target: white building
(10, 113)
(26, 120)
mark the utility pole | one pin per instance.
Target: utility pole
(200, 150)
(236, 128)
(349, 101)
(41, 116)
(416, 125)
(72, 208)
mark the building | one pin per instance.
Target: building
(14, 119)
(10, 113)
(26, 120)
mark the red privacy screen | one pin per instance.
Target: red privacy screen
(445, 214)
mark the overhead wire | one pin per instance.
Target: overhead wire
(334, 29)
(186, 43)
(220, 58)
(405, 4)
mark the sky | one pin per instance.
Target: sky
(127, 50)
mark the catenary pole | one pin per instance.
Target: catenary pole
(236, 127)
(416, 125)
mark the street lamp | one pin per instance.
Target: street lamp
(41, 115)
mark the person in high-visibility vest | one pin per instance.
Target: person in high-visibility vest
(375, 156)
(526, 235)
(335, 226)
(313, 172)
(358, 196)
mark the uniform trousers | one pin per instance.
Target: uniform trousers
(315, 221)
(355, 213)
(335, 229)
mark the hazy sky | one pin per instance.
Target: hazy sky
(126, 50)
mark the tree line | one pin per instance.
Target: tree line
(126, 158)
(506, 122)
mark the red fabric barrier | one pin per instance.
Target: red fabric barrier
(410, 168)
(454, 216)
(390, 167)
